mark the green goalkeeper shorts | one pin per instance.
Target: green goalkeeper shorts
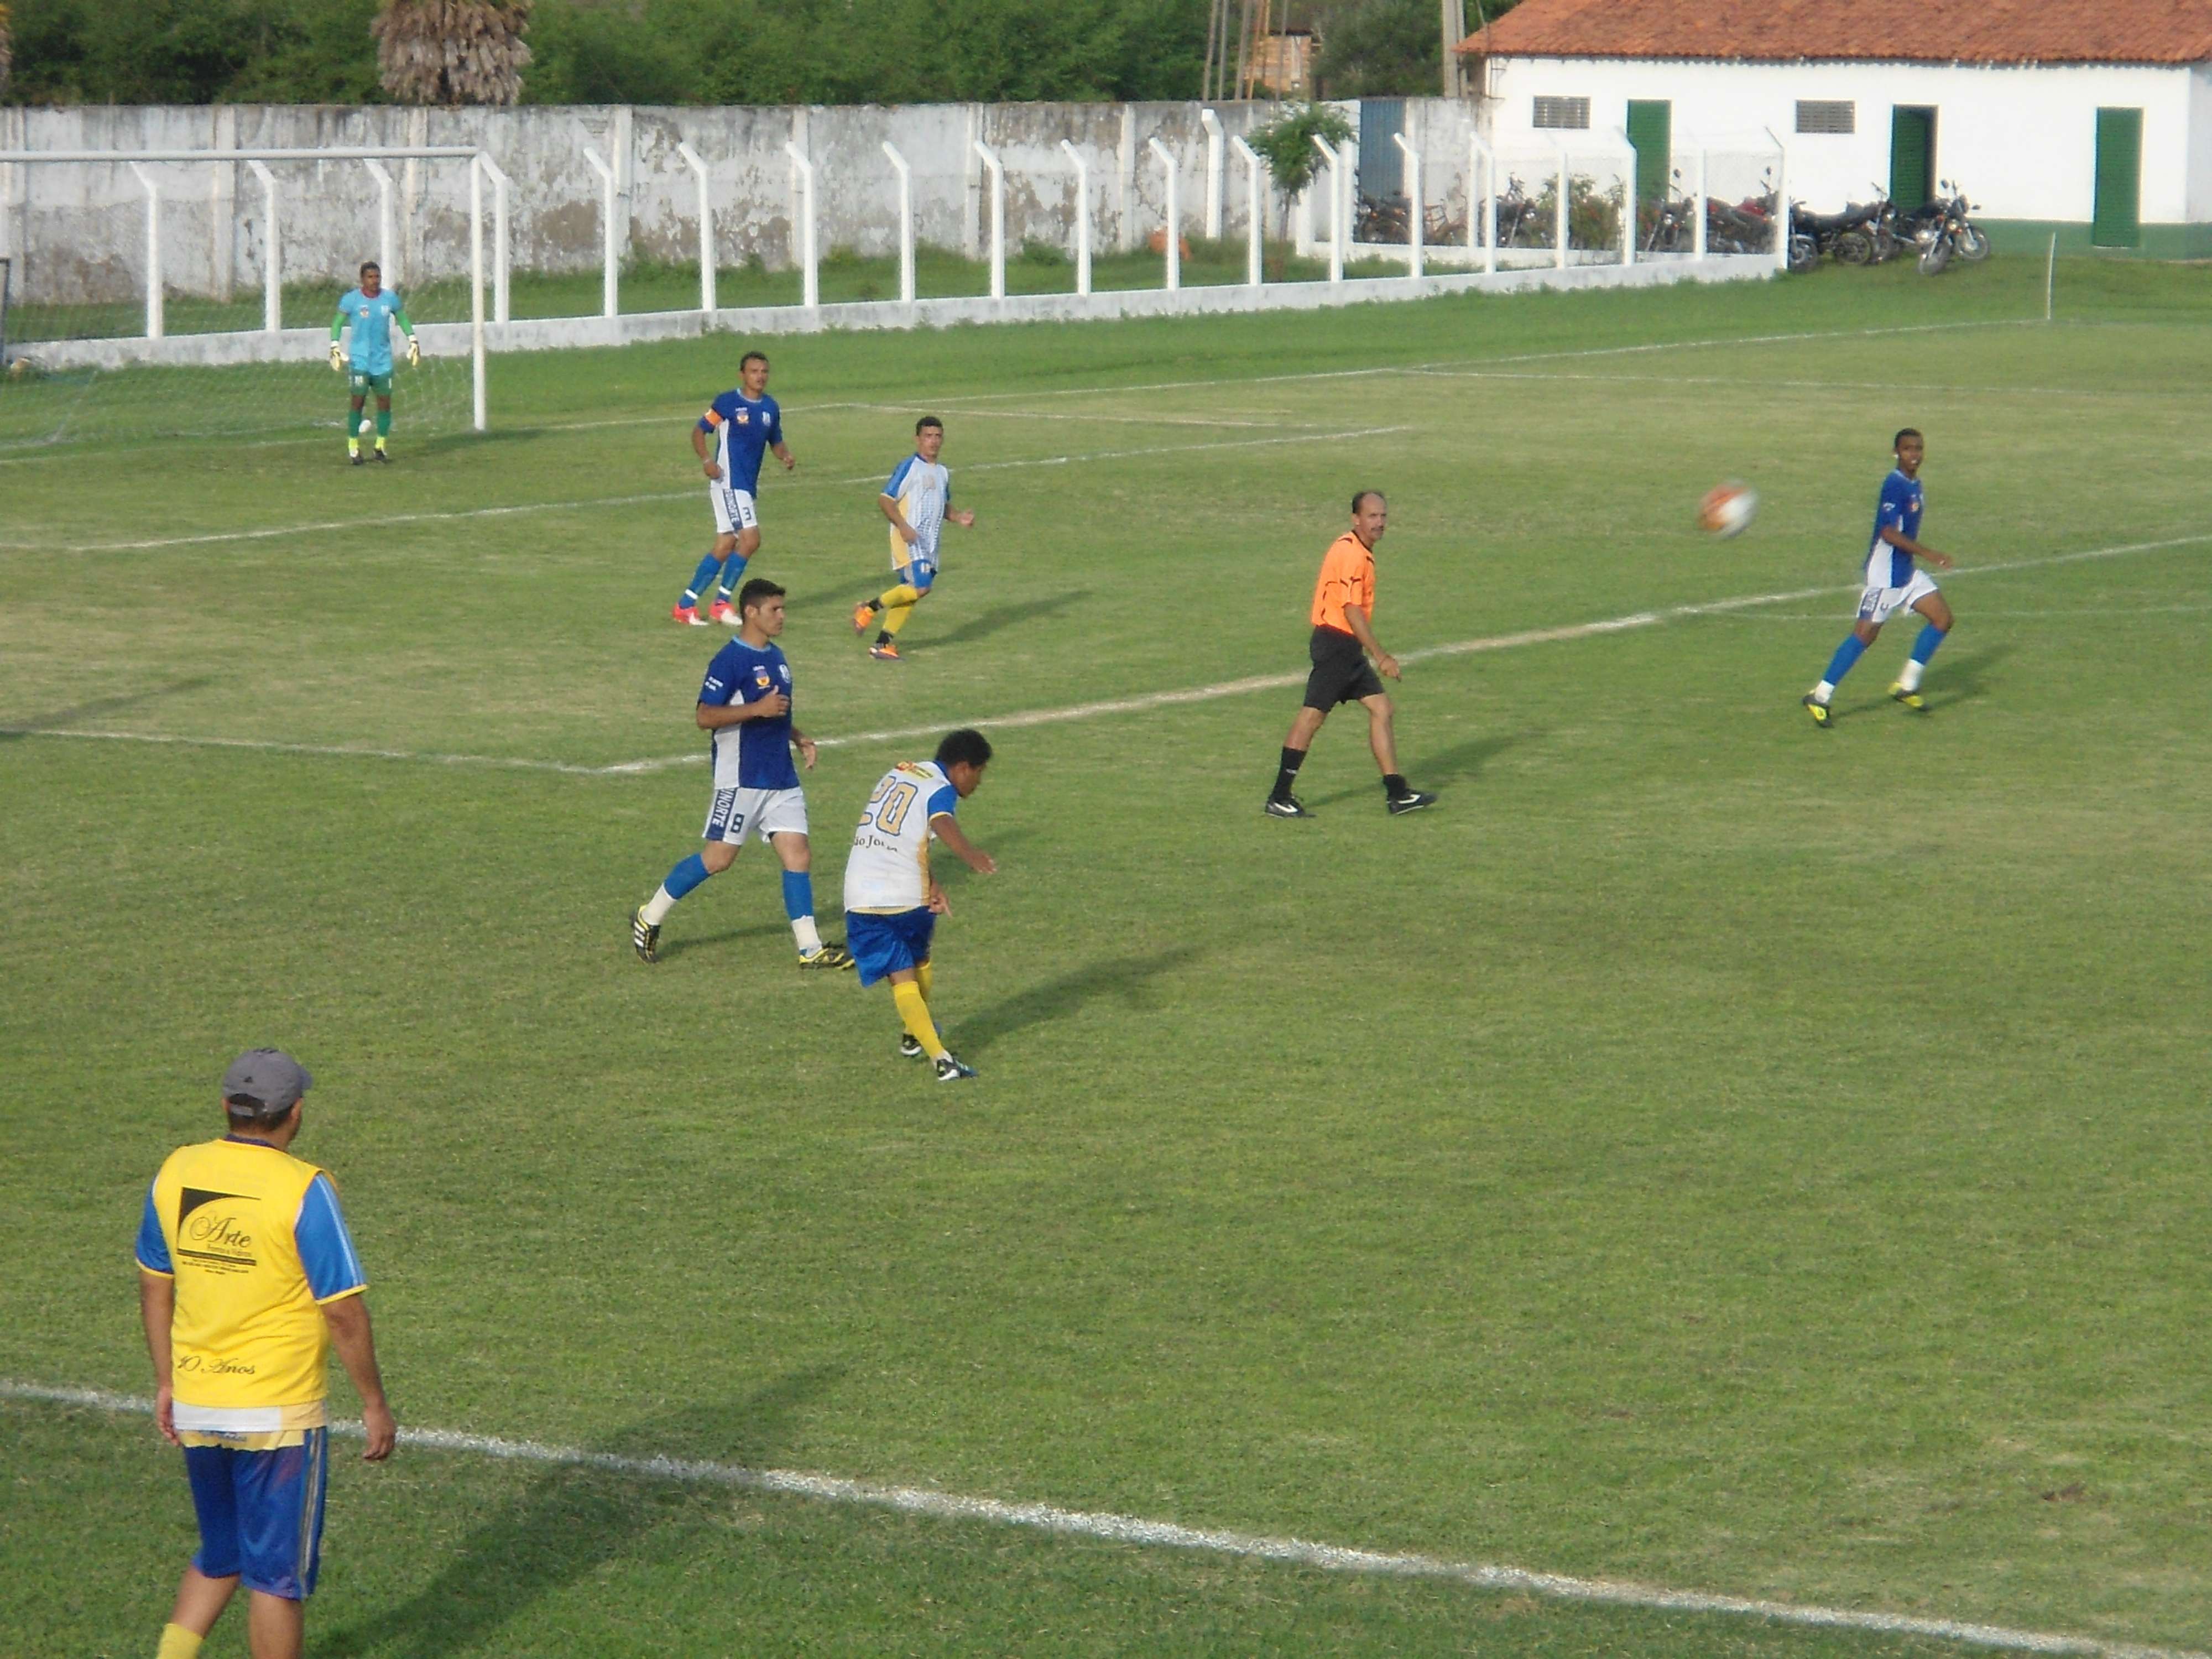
(362, 384)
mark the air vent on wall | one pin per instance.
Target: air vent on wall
(1563, 112)
(1839, 116)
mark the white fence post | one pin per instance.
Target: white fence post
(477, 401)
(610, 278)
(1174, 239)
(1212, 122)
(1347, 187)
(1564, 229)
(906, 223)
(1082, 217)
(1698, 244)
(1415, 229)
(1781, 204)
(1628, 206)
(387, 267)
(272, 256)
(499, 254)
(1336, 207)
(693, 160)
(1256, 203)
(154, 312)
(990, 157)
(802, 178)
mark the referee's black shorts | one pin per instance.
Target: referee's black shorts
(1341, 672)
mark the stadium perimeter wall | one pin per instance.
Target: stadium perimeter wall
(454, 339)
(77, 232)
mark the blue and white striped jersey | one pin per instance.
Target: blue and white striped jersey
(923, 489)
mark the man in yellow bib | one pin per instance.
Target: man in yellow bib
(247, 1279)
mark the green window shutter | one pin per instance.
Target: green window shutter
(2118, 218)
(1912, 156)
(1652, 131)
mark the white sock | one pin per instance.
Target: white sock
(803, 930)
(658, 906)
(1909, 676)
(1823, 691)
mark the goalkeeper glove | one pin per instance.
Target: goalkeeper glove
(338, 359)
(414, 352)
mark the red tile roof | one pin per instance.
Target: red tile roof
(1879, 31)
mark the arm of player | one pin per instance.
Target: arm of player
(804, 745)
(338, 352)
(713, 716)
(948, 831)
(348, 1320)
(157, 1306)
(699, 448)
(1898, 539)
(891, 506)
(407, 327)
(783, 453)
(1385, 664)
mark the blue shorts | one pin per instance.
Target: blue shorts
(261, 1513)
(919, 576)
(882, 945)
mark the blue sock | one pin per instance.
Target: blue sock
(733, 571)
(701, 578)
(798, 894)
(1925, 646)
(686, 875)
(1847, 654)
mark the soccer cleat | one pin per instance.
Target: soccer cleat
(688, 615)
(910, 1046)
(1818, 710)
(1286, 807)
(829, 959)
(645, 936)
(359, 459)
(721, 611)
(1910, 699)
(950, 1070)
(1412, 801)
(883, 653)
(382, 459)
(863, 616)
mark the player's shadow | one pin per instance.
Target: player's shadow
(571, 1522)
(672, 948)
(1966, 676)
(56, 719)
(1007, 616)
(1438, 772)
(1128, 980)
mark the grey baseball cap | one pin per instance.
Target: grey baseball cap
(268, 1075)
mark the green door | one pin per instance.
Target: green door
(1912, 156)
(1652, 131)
(2119, 221)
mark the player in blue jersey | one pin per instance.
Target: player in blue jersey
(740, 425)
(1893, 583)
(745, 703)
(917, 501)
(365, 359)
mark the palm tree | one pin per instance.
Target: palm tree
(452, 51)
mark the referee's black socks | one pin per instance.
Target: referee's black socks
(1395, 787)
(1293, 759)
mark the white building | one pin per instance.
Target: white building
(2092, 121)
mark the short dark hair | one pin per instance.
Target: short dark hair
(246, 1110)
(1360, 495)
(966, 747)
(1905, 432)
(368, 266)
(926, 423)
(749, 357)
(759, 591)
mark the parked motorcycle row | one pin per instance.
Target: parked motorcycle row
(1869, 233)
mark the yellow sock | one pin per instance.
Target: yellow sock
(925, 979)
(895, 616)
(900, 595)
(913, 1014)
(178, 1643)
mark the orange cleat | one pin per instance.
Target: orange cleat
(883, 653)
(684, 613)
(724, 613)
(863, 617)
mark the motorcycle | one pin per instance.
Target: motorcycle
(1843, 236)
(1947, 231)
(1745, 227)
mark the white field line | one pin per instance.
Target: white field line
(279, 531)
(1933, 388)
(1149, 700)
(1166, 1534)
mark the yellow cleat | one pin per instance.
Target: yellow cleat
(1818, 710)
(1910, 699)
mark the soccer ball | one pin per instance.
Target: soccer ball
(368, 425)
(1728, 509)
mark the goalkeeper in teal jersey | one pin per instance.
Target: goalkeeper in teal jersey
(365, 359)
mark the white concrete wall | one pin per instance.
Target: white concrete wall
(78, 230)
(2021, 142)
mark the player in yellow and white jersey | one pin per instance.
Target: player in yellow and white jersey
(917, 501)
(891, 903)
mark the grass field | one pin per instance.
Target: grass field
(1703, 1151)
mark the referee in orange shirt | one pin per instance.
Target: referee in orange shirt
(1343, 639)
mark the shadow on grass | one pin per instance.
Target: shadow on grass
(17, 729)
(672, 948)
(1128, 980)
(1005, 617)
(1964, 677)
(570, 1523)
(1461, 763)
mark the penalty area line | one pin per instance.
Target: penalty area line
(1131, 1529)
